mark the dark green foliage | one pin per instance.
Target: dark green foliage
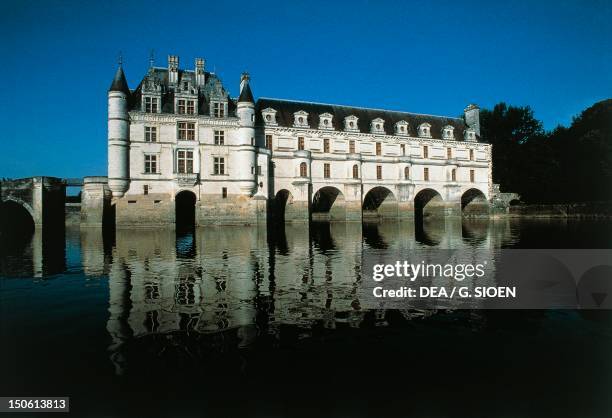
(565, 165)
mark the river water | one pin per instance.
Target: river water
(251, 321)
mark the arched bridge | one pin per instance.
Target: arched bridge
(32, 202)
(356, 201)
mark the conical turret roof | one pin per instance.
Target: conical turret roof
(246, 95)
(119, 82)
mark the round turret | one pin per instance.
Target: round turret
(246, 133)
(118, 135)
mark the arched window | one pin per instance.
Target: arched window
(355, 171)
(406, 173)
(303, 170)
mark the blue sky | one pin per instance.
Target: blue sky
(424, 56)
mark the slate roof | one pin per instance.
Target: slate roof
(246, 95)
(168, 94)
(119, 82)
(286, 108)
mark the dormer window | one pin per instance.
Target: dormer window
(401, 128)
(151, 104)
(425, 130)
(377, 126)
(300, 119)
(350, 124)
(218, 109)
(470, 135)
(448, 132)
(269, 116)
(325, 121)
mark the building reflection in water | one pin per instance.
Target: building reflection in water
(37, 254)
(245, 282)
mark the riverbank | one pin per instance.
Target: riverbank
(588, 210)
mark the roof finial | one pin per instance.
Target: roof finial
(152, 58)
(120, 59)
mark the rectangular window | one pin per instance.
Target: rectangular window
(151, 104)
(180, 108)
(454, 175)
(326, 170)
(425, 151)
(224, 192)
(218, 110)
(269, 142)
(378, 148)
(472, 176)
(403, 148)
(219, 137)
(190, 107)
(326, 145)
(379, 172)
(186, 131)
(219, 165)
(300, 143)
(471, 155)
(150, 134)
(184, 161)
(150, 163)
(352, 147)
(145, 189)
(449, 153)
(426, 174)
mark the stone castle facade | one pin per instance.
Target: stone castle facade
(179, 143)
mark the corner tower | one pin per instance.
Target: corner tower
(246, 134)
(118, 135)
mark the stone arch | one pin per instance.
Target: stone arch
(380, 202)
(428, 203)
(20, 202)
(16, 217)
(328, 204)
(474, 203)
(184, 209)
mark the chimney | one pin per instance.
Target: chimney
(173, 63)
(472, 117)
(244, 80)
(199, 72)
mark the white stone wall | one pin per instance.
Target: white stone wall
(246, 165)
(203, 148)
(392, 161)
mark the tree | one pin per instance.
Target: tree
(585, 150)
(512, 130)
(565, 165)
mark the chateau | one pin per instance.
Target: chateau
(181, 149)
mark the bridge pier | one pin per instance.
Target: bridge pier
(405, 211)
(95, 202)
